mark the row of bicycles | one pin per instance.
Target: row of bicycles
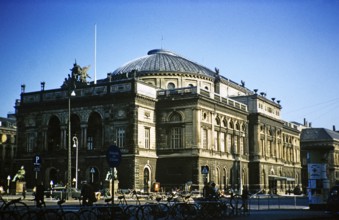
(178, 206)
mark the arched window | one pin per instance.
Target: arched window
(224, 123)
(176, 131)
(170, 86)
(217, 121)
(94, 134)
(175, 117)
(53, 134)
(231, 125)
(237, 126)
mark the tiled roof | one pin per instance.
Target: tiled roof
(319, 134)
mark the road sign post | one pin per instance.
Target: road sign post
(204, 172)
(113, 157)
(36, 164)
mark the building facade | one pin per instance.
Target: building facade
(320, 163)
(170, 117)
(8, 148)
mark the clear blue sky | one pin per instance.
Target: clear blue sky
(288, 49)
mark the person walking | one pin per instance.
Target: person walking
(40, 195)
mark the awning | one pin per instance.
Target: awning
(276, 177)
(290, 179)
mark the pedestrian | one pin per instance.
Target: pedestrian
(40, 195)
(244, 197)
(88, 195)
(24, 191)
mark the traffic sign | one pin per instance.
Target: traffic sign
(113, 156)
(204, 169)
(92, 170)
(36, 160)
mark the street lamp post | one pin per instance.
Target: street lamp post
(76, 145)
(69, 176)
(51, 183)
(8, 183)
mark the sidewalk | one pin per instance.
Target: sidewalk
(287, 214)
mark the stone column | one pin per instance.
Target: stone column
(83, 139)
(63, 138)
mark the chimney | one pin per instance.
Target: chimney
(305, 122)
(333, 127)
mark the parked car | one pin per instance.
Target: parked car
(333, 200)
(60, 192)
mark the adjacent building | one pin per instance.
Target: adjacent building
(320, 163)
(8, 147)
(173, 120)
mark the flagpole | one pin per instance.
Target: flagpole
(95, 54)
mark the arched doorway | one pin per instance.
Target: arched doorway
(147, 180)
(52, 174)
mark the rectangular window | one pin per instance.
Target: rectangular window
(30, 142)
(120, 137)
(204, 138)
(222, 142)
(216, 140)
(147, 138)
(241, 145)
(235, 144)
(176, 138)
(229, 143)
(90, 145)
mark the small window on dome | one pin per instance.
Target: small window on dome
(170, 86)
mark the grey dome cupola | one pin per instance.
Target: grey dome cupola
(159, 60)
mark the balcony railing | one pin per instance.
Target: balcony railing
(202, 92)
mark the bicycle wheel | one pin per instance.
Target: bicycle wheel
(183, 211)
(9, 215)
(145, 212)
(30, 215)
(69, 215)
(18, 207)
(161, 211)
(49, 214)
(130, 211)
(87, 214)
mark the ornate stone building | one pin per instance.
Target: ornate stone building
(170, 117)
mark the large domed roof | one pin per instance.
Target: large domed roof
(159, 60)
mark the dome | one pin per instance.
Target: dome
(159, 60)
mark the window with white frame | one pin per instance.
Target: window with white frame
(120, 137)
(147, 137)
(30, 142)
(90, 144)
(176, 136)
